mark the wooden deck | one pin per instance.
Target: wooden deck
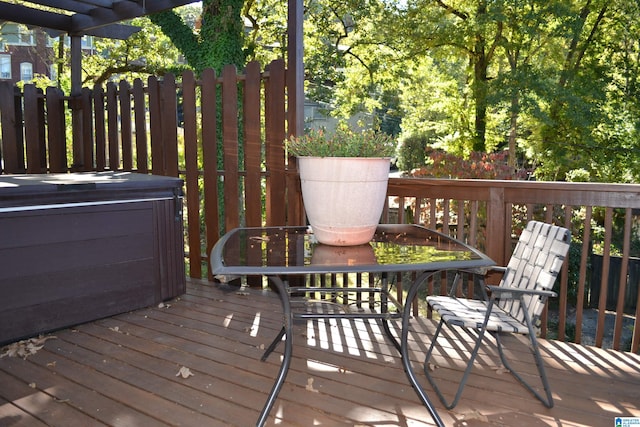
(124, 371)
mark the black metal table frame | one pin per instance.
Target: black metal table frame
(274, 274)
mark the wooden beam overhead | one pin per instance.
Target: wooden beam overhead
(80, 17)
(34, 17)
(68, 5)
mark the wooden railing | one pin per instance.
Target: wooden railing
(228, 183)
(490, 214)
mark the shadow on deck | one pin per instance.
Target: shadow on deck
(126, 371)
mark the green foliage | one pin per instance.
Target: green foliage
(266, 38)
(147, 52)
(343, 143)
(575, 257)
(478, 166)
(578, 175)
(219, 40)
(412, 152)
(40, 81)
(433, 100)
(554, 81)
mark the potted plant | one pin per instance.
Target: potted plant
(344, 178)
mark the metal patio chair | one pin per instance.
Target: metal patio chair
(514, 306)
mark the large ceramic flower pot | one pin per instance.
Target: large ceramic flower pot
(343, 197)
(341, 255)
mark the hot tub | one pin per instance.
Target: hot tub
(83, 246)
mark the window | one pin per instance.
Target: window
(5, 66)
(27, 37)
(87, 42)
(26, 71)
(20, 35)
(53, 72)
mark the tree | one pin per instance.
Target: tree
(217, 42)
(554, 81)
(529, 32)
(349, 61)
(466, 29)
(543, 78)
(146, 52)
(591, 122)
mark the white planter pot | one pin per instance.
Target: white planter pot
(343, 197)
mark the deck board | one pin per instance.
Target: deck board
(122, 371)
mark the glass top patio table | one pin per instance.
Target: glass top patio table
(279, 252)
(294, 250)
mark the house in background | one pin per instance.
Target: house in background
(24, 53)
(27, 52)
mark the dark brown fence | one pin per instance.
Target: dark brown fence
(169, 127)
(237, 173)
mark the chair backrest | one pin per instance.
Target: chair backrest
(535, 263)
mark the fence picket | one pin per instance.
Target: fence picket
(140, 117)
(32, 133)
(274, 148)
(192, 174)
(124, 99)
(100, 129)
(209, 157)
(169, 124)
(252, 143)
(232, 180)
(56, 131)
(112, 127)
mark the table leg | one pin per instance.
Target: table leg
(288, 349)
(384, 307)
(404, 347)
(394, 340)
(273, 344)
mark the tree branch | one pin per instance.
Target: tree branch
(452, 10)
(589, 39)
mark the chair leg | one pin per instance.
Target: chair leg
(548, 401)
(465, 375)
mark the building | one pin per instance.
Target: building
(27, 52)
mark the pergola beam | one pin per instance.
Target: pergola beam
(82, 17)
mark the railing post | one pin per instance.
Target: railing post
(496, 225)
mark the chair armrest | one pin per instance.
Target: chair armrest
(498, 290)
(497, 268)
(482, 271)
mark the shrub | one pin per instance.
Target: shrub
(479, 165)
(412, 152)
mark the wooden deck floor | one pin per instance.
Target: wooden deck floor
(123, 371)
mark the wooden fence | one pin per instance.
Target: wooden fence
(135, 128)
